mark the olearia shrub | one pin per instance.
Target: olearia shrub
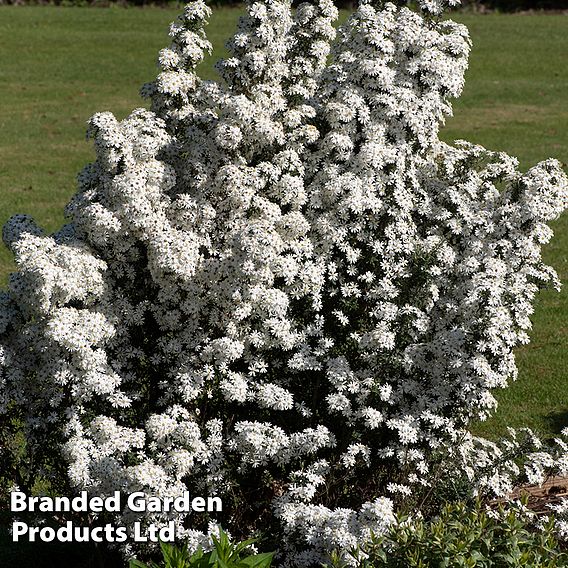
(280, 288)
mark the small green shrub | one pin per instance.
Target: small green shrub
(464, 536)
(225, 554)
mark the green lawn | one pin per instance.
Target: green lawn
(516, 100)
(60, 65)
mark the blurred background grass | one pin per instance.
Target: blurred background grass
(60, 65)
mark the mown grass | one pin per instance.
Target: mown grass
(60, 65)
(516, 100)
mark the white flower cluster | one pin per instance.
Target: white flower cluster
(280, 288)
(560, 512)
(496, 468)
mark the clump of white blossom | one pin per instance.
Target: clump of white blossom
(560, 512)
(522, 458)
(280, 288)
(497, 469)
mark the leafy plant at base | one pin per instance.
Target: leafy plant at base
(225, 554)
(464, 536)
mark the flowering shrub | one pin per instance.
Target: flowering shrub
(495, 469)
(281, 288)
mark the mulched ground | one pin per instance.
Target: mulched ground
(539, 496)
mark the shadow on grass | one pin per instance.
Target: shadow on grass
(557, 420)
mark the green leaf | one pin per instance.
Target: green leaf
(137, 564)
(263, 560)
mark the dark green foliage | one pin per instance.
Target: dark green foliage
(464, 536)
(225, 555)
